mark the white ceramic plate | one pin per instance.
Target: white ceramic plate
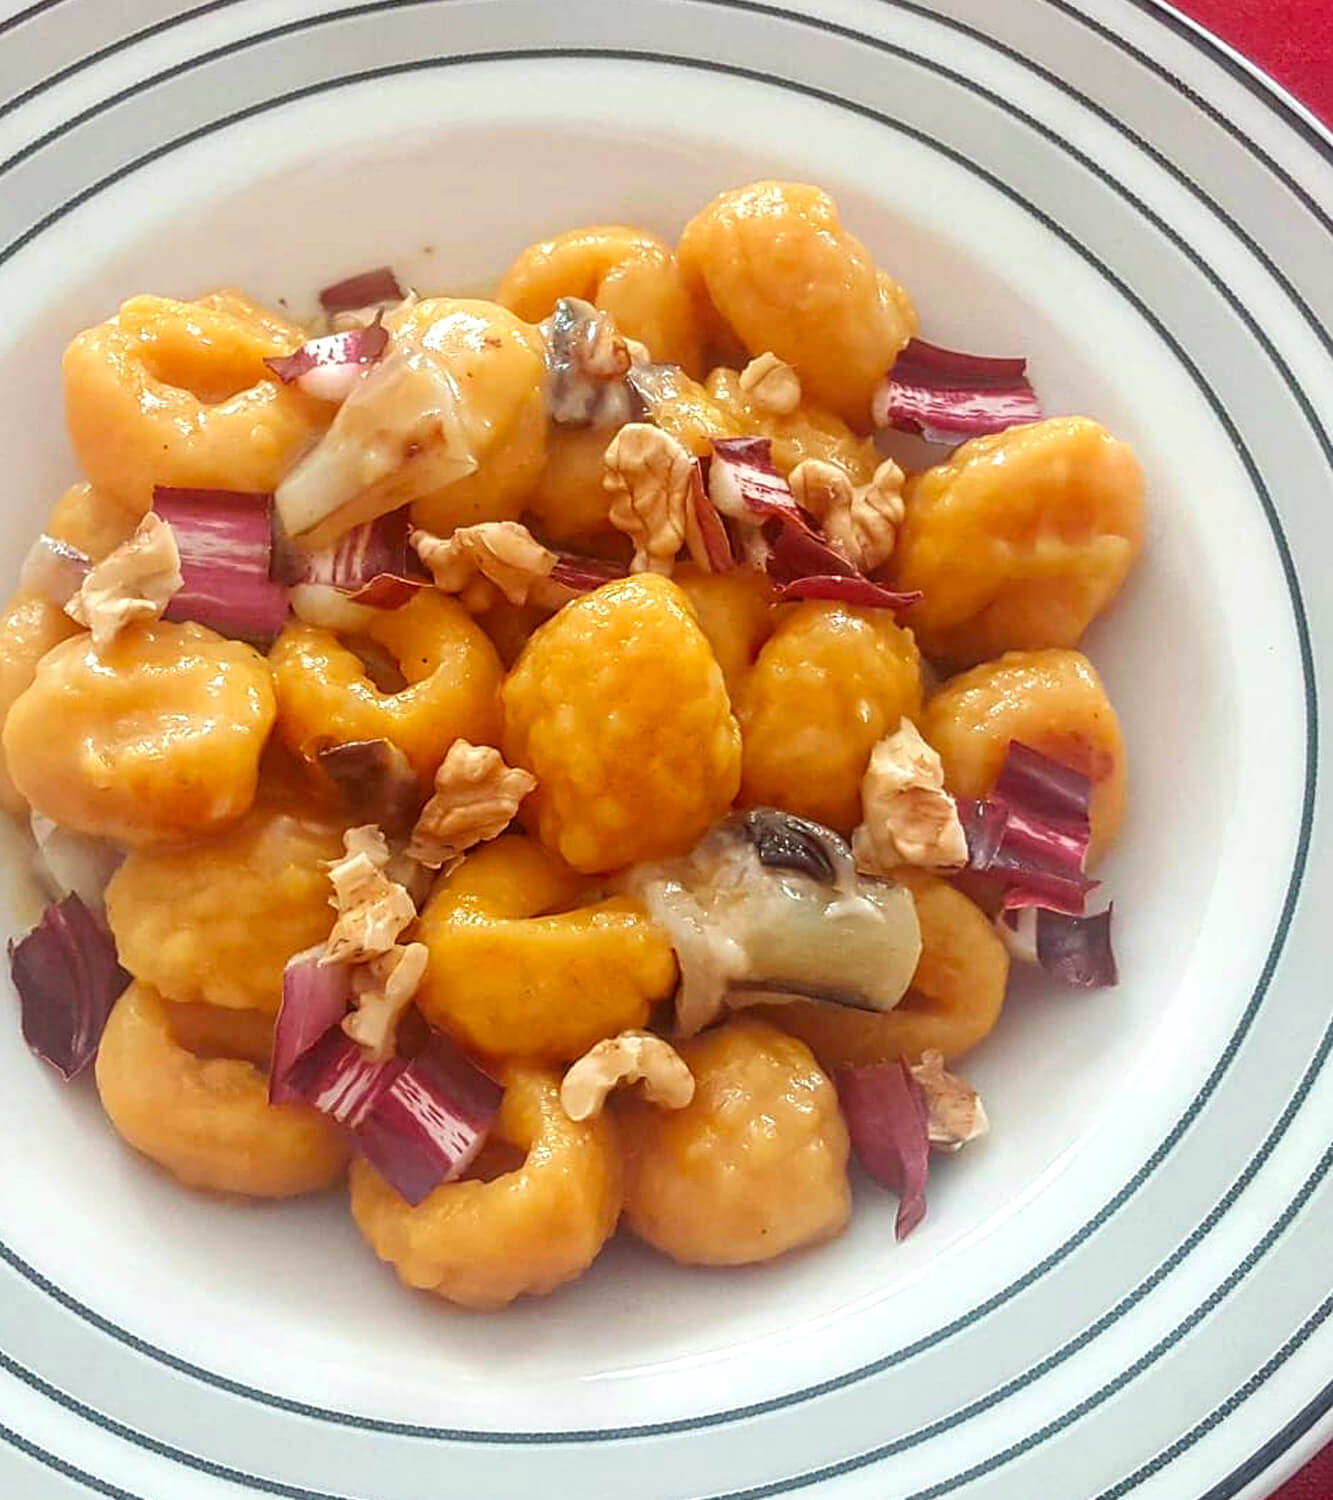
(1125, 1290)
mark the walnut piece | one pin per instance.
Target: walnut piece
(477, 561)
(383, 988)
(649, 475)
(476, 797)
(372, 909)
(134, 582)
(772, 384)
(954, 1106)
(861, 521)
(907, 816)
(632, 1057)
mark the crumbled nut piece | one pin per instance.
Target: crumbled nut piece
(648, 476)
(476, 561)
(476, 797)
(135, 582)
(372, 909)
(383, 989)
(632, 1057)
(954, 1106)
(862, 521)
(771, 383)
(907, 816)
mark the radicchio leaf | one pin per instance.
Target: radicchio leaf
(889, 1123)
(1075, 950)
(68, 978)
(376, 779)
(361, 290)
(225, 542)
(1033, 831)
(947, 396)
(372, 565)
(329, 367)
(315, 998)
(418, 1123)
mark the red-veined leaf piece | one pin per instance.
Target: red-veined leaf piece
(376, 780)
(225, 542)
(705, 531)
(361, 290)
(1077, 950)
(744, 483)
(373, 564)
(584, 574)
(315, 998)
(426, 1126)
(847, 589)
(889, 1123)
(329, 367)
(68, 977)
(947, 396)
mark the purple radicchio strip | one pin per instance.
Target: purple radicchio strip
(225, 542)
(361, 290)
(68, 978)
(946, 396)
(330, 367)
(889, 1123)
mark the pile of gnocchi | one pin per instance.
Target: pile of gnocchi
(581, 711)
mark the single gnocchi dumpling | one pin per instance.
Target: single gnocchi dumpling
(619, 709)
(828, 685)
(775, 261)
(154, 737)
(628, 273)
(214, 922)
(1019, 540)
(177, 393)
(755, 1165)
(525, 1232)
(1052, 701)
(327, 696)
(526, 961)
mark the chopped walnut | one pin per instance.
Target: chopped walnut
(372, 909)
(955, 1111)
(907, 816)
(861, 521)
(476, 797)
(383, 988)
(632, 1057)
(476, 562)
(135, 582)
(649, 475)
(772, 384)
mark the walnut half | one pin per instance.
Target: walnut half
(476, 562)
(135, 582)
(907, 816)
(861, 521)
(476, 797)
(632, 1057)
(649, 476)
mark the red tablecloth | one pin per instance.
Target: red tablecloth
(1292, 40)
